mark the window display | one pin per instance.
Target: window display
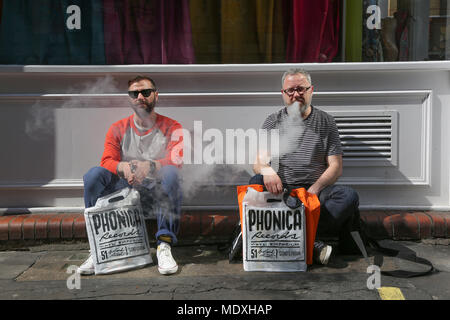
(111, 32)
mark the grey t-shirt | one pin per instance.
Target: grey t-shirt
(305, 145)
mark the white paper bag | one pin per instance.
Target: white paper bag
(117, 232)
(274, 236)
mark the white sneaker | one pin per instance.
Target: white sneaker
(87, 268)
(321, 252)
(166, 263)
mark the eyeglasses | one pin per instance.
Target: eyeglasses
(146, 93)
(299, 90)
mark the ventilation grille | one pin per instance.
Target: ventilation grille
(367, 137)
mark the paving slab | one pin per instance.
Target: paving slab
(13, 264)
(205, 274)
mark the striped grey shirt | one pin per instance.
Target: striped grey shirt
(305, 145)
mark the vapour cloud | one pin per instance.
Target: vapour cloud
(40, 123)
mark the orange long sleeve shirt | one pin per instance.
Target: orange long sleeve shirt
(162, 143)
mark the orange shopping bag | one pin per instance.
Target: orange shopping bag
(311, 207)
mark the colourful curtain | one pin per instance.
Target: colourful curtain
(270, 30)
(354, 31)
(205, 20)
(252, 31)
(239, 41)
(148, 32)
(170, 31)
(313, 35)
(35, 32)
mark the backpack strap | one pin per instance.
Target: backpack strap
(235, 247)
(358, 231)
(402, 254)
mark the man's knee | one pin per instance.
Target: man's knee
(170, 176)
(94, 176)
(350, 196)
(340, 194)
(338, 204)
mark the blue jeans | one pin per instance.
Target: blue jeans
(99, 182)
(338, 209)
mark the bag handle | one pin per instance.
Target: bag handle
(290, 201)
(116, 199)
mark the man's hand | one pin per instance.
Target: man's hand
(330, 176)
(272, 181)
(314, 190)
(124, 170)
(141, 170)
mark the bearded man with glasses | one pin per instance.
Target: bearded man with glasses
(309, 156)
(143, 151)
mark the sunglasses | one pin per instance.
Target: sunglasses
(146, 93)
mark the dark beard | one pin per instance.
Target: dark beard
(144, 112)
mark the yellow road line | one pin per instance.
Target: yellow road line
(390, 293)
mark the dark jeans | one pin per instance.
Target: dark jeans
(164, 198)
(338, 209)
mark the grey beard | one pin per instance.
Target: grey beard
(296, 109)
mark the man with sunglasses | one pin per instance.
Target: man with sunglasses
(310, 156)
(143, 151)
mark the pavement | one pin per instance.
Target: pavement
(39, 254)
(46, 272)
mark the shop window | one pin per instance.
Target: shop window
(396, 30)
(112, 32)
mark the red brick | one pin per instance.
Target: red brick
(207, 222)
(40, 227)
(226, 226)
(79, 228)
(374, 224)
(439, 229)
(15, 227)
(28, 228)
(54, 226)
(425, 225)
(67, 223)
(447, 222)
(218, 224)
(378, 223)
(190, 225)
(406, 226)
(4, 227)
(387, 223)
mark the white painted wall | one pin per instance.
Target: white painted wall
(54, 119)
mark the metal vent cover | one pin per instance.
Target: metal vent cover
(368, 138)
